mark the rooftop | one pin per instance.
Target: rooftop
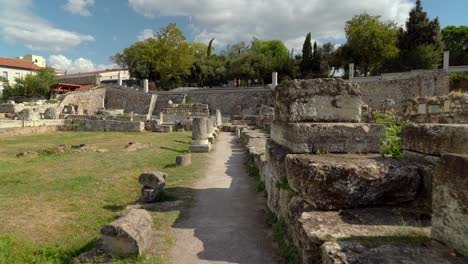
(93, 72)
(18, 64)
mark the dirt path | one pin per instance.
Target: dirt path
(227, 223)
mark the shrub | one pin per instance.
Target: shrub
(391, 144)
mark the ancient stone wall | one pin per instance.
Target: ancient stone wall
(438, 109)
(229, 101)
(195, 109)
(130, 100)
(88, 101)
(104, 125)
(403, 86)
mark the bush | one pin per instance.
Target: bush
(391, 144)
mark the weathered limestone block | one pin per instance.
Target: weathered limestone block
(318, 100)
(278, 191)
(155, 180)
(200, 134)
(309, 229)
(328, 137)
(130, 235)
(51, 113)
(348, 252)
(450, 202)
(219, 118)
(435, 139)
(184, 160)
(149, 195)
(331, 181)
(162, 128)
(29, 114)
(426, 165)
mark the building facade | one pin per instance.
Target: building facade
(94, 78)
(12, 69)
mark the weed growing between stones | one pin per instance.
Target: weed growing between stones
(253, 171)
(283, 184)
(287, 250)
(391, 144)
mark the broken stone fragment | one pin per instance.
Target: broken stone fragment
(50, 113)
(154, 180)
(28, 154)
(337, 181)
(184, 160)
(130, 235)
(149, 195)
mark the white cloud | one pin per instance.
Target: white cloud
(232, 21)
(79, 7)
(147, 33)
(19, 24)
(65, 64)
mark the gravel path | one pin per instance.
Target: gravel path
(227, 223)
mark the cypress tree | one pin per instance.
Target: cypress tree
(306, 55)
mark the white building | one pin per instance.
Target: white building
(38, 60)
(95, 77)
(10, 69)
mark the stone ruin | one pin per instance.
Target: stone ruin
(324, 175)
(153, 185)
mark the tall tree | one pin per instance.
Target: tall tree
(166, 56)
(371, 41)
(456, 41)
(306, 55)
(210, 48)
(421, 43)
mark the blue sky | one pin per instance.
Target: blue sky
(80, 35)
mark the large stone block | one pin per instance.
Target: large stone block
(332, 181)
(130, 235)
(347, 252)
(309, 228)
(450, 202)
(328, 137)
(318, 100)
(154, 180)
(29, 114)
(435, 139)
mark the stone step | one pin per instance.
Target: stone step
(337, 181)
(303, 138)
(310, 229)
(347, 252)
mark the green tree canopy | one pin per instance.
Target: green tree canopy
(371, 41)
(166, 56)
(456, 41)
(306, 64)
(32, 85)
(420, 31)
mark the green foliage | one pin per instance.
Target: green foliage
(37, 85)
(283, 184)
(306, 64)
(166, 56)
(287, 250)
(210, 48)
(456, 41)
(421, 43)
(253, 171)
(391, 144)
(371, 41)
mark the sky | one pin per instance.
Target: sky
(81, 35)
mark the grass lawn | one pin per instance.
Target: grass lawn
(52, 207)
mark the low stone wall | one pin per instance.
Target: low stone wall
(21, 131)
(188, 110)
(104, 125)
(229, 101)
(403, 86)
(23, 123)
(438, 109)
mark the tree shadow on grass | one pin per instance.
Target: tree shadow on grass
(183, 151)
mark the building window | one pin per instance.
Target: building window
(5, 75)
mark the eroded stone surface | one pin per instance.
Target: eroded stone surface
(134, 146)
(350, 252)
(450, 202)
(434, 139)
(154, 180)
(184, 160)
(50, 113)
(29, 114)
(318, 100)
(130, 235)
(328, 137)
(309, 229)
(336, 181)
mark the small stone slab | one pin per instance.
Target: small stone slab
(337, 181)
(200, 148)
(318, 100)
(154, 180)
(303, 138)
(435, 139)
(347, 252)
(130, 235)
(450, 202)
(162, 128)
